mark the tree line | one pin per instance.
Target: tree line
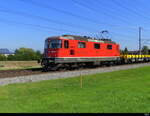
(22, 54)
(144, 51)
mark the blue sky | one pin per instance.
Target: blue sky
(79, 17)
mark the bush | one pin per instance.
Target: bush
(25, 54)
(3, 57)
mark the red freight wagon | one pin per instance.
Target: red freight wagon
(69, 49)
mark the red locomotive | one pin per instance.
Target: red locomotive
(69, 50)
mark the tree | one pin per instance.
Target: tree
(3, 57)
(27, 54)
(11, 58)
(121, 51)
(125, 50)
(145, 50)
(38, 54)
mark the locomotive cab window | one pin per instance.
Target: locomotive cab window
(97, 46)
(66, 44)
(109, 47)
(81, 45)
(54, 44)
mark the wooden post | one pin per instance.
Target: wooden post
(81, 80)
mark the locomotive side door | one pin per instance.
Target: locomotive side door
(109, 48)
(68, 44)
(72, 47)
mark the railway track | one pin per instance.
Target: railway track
(20, 72)
(36, 71)
(23, 76)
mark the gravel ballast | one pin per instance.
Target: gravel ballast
(66, 74)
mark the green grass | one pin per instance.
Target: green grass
(115, 92)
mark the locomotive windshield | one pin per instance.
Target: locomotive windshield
(55, 44)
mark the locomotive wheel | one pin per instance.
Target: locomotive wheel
(45, 68)
(62, 69)
(108, 64)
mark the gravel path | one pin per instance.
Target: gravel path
(54, 75)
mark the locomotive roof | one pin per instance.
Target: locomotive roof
(84, 38)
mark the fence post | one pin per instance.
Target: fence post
(81, 80)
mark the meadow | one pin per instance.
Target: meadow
(126, 91)
(12, 65)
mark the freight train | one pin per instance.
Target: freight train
(80, 51)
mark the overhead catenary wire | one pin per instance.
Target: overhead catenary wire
(60, 11)
(140, 15)
(46, 18)
(130, 10)
(95, 10)
(45, 28)
(43, 18)
(140, 8)
(31, 16)
(36, 25)
(48, 29)
(39, 27)
(74, 15)
(109, 9)
(26, 15)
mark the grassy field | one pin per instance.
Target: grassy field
(12, 65)
(115, 92)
